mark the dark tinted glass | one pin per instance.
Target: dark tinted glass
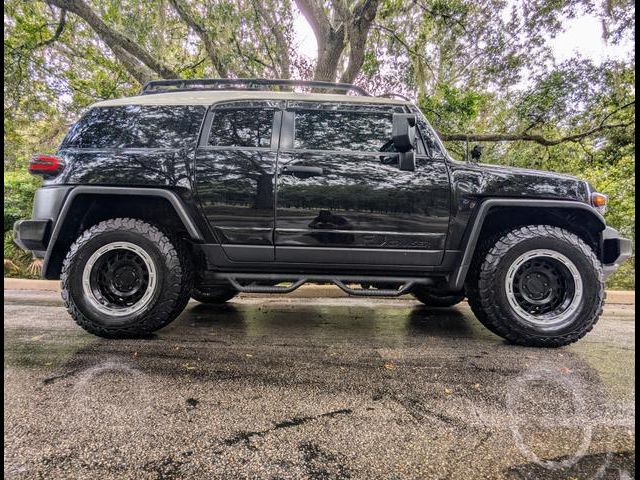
(241, 127)
(136, 126)
(428, 135)
(334, 130)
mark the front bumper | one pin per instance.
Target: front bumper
(615, 250)
(32, 235)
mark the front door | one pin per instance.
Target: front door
(341, 197)
(235, 166)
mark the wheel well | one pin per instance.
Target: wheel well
(578, 221)
(88, 210)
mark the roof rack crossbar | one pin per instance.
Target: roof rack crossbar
(393, 94)
(164, 86)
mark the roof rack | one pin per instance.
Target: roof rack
(164, 86)
(394, 95)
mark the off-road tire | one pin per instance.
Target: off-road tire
(487, 296)
(432, 299)
(216, 295)
(169, 298)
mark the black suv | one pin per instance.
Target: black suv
(207, 188)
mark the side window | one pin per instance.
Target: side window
(342, 130)
(136, 126)
(428, 136)
(241, 127)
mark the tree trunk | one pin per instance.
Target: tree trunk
(329, 53)
(358, 32)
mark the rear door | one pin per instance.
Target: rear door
(342, 199)
(235, 167)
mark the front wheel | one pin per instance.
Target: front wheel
(125, 278)
(537, 285)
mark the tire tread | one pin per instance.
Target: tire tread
(481, 296)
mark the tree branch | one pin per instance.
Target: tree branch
(125, 49)
(57, 33)
(508, 137)
(609, 115)
(330, 39)
(317, 18)
(282, 46)
(188, 17)
(408, 48)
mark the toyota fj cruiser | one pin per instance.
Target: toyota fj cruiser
(206, 188)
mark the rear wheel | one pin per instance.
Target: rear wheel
(213, 295)
(434, 299)
(537, 285)
(123, 278)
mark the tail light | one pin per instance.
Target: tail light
(599, 201)
(45, 165)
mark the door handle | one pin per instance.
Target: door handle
(301, 171)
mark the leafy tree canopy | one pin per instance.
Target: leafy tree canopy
(481, 70)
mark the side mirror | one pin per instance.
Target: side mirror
(407, 161)
(476, 152)
(403, 131)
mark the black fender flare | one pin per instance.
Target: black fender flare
(172, 197)
(458, 276)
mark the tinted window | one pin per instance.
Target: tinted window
(428, 136)
(334, 130)
(241, 127)
(136, 126)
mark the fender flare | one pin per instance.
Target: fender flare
(173, 198)
(458, 276)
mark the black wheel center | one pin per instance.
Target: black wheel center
(125, 279)
(536, 286)
(119, 279)
(542, 286)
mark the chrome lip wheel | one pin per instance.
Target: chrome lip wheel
(544, 288)
(119, 279)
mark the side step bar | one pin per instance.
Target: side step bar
(246, 282)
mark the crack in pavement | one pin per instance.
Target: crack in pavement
(294, 422)
(50, 380)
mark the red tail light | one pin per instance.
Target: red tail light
(45, 165)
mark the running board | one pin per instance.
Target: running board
(245, 282)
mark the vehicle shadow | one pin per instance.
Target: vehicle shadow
(440, 321)
(348, 321)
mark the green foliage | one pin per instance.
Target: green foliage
(22, 265)
(19, 189)
(453, 109)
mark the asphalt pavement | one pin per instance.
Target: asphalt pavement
(321, 388)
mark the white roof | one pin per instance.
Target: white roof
(208, 97)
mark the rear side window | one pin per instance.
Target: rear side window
(137, 126)
(241, 127)
(336, 130)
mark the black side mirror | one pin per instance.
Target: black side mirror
(407, 161)
(404, 131)
(404, 139)
(476, 152)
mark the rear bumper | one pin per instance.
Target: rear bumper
(32, 235)
(615, 250)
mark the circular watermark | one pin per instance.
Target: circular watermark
(113, 391)
(573, 389)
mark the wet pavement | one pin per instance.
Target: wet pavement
(335, 388)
